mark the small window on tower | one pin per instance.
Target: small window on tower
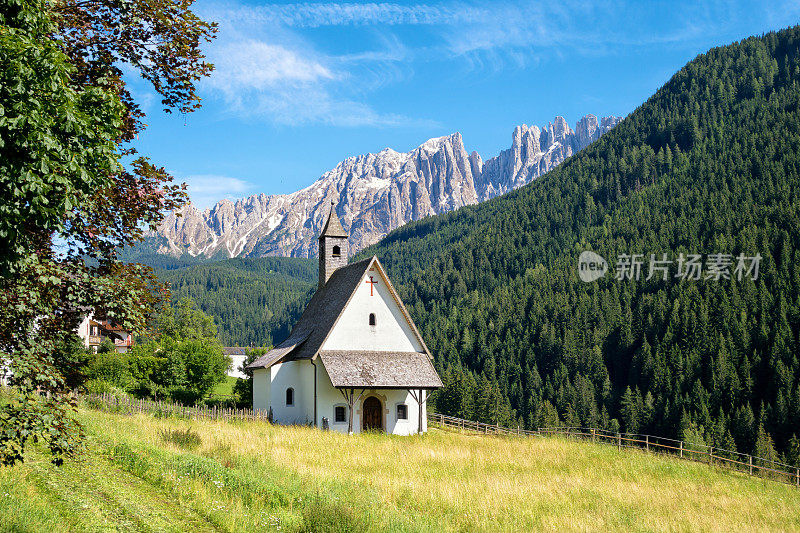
(337, 252)
(339, 414)
(372, 319)
(402, 411)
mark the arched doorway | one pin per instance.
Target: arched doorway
(372, 414)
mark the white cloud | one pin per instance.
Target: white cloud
(309, 104)
(205, 190)
(289, 82)
(252, 64)
(291, 87)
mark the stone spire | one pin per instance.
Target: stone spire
(332, 248)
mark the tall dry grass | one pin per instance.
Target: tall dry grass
(243, 475)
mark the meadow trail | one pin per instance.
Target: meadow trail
(92, 494)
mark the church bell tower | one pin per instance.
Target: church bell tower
(332, 248)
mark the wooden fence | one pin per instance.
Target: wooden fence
(125, 405)
(742, 462)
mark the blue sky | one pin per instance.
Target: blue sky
(299, 87)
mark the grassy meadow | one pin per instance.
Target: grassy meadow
(224, 388)
(140, 473)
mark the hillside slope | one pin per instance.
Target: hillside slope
(141, 473)
(254, 302)
(709, 164)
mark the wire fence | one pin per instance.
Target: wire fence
(741, 462)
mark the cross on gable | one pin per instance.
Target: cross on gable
(372, 284)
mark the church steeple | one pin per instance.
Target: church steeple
(332, 247)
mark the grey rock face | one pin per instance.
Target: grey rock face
(376, 193)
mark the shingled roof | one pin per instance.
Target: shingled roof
(333, 228)
(386, 370)
(319, 317)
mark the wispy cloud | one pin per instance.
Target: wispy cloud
(286, 80)
(253, 64)
(268, 65)
(350, 14)
(205, 190)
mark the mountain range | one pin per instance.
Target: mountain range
(373, 194)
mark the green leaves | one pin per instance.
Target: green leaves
(66, 203)
(58, 140)
(184, 361)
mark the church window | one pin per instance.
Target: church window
(372, 319)
(290, 396)
(402, 411)
(339, 414)
(337, 252)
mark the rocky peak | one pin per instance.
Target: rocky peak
(558, 131)
(375, 193)
(586, 131)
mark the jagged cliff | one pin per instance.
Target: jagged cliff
(375, 193)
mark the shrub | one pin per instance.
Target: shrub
(112, 368)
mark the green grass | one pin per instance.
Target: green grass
(225, 388)
(140, 473)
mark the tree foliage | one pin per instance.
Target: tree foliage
(67, 203)
(254, 301)
(182, 360)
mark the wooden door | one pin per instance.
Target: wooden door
(372, 414)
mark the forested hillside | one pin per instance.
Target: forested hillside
(710, 163)
(254, 302)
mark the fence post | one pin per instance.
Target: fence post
(797, 477)
(593, 438)
(647, 442)
(681, 449)
(710, 454)
(619, 441)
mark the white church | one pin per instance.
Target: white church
(354, 361)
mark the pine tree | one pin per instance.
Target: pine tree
(764, 447)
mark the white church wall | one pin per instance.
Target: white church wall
(391, 331)
(261, 388)
(395, 426)
(329, 397)
(269, 391)
(298, 375)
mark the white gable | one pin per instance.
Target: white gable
(391, 331)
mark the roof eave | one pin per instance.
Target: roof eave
(378, 387)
